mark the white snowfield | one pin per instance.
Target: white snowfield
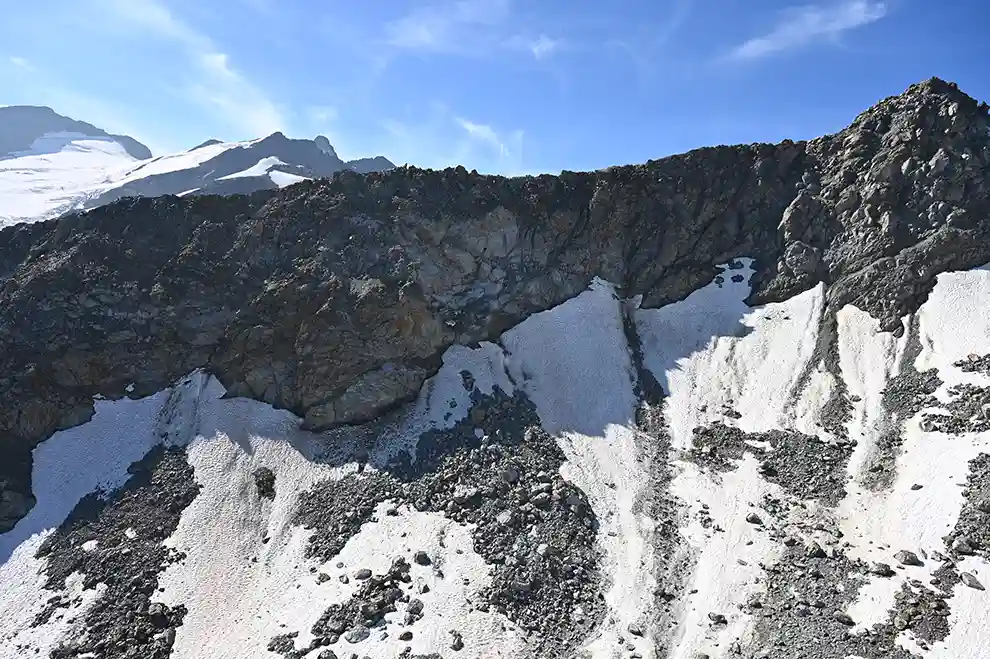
(710, 352)
(263, 167)
(59, 173)
(62, 171)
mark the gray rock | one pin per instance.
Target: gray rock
(422, 558)
(264, 480)
(905, 557)
(969, 579)
(961, 545)
(843, 617)
(357, 634)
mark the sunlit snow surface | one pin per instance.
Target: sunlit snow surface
(58, 173)
(709, 352)
(62, 171)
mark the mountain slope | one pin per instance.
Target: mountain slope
(21, 125)
(701, 406)
(55, 164)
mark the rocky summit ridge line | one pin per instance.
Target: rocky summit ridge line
(336, 298)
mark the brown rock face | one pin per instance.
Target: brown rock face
(336, 298)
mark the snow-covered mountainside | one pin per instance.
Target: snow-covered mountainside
(50, 165)
(727, 404)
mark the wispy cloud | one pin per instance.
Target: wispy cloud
(540, 47)
(444, 139)
(321, 114)
(645, 45)
(508, 148)
(216, 83)
(21, 63)
(466, 27)
(445, 27)
(800, 26)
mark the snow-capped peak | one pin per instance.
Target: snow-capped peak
(323, 144)
(50, 164)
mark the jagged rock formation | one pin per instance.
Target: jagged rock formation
(336, 298)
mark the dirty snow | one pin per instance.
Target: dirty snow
(713, 353)
(67, 467)
(573, 361)
(710, 352)
(953, 324)
(969, 621)
(241, 591)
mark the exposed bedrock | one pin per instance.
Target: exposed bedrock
(336, 298)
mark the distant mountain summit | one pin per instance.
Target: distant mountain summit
(51, 164)
(217, 167)
(22, 125)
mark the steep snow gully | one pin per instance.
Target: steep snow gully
(523, 486)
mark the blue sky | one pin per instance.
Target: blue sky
(499, 85)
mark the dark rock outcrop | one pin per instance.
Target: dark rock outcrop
(336, 298)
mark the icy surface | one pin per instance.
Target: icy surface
(58, 172)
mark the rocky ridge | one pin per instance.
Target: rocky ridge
(335, 298)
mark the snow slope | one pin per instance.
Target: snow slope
(70, 171)
(247, 576)
(58, 173)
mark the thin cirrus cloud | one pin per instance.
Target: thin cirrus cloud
(216, 83)
(800, 26)
(464, 27)
(441, 138)
(21, 63)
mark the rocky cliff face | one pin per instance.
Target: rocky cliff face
(335, 299)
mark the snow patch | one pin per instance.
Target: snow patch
(240, 590)
(284, 179)
(58, 173)
(573, 361)
(713, 354)
(176, 162)
(878, 524)
(727, 569)
(68, 466)
(260, 168)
